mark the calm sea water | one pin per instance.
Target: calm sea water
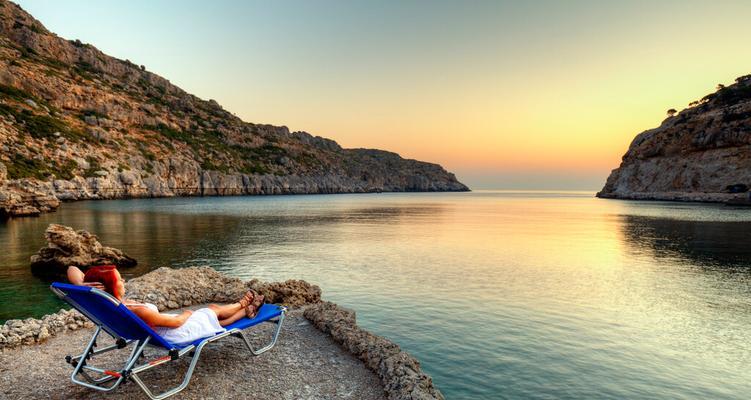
(500, 294)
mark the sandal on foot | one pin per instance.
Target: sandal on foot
(251, 311)
(247, 299)
(257, 301)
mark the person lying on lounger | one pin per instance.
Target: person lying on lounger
(177, 328)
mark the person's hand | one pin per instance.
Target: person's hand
(95, 285)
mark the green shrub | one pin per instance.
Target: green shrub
(85, 70)
(254, 169)
(209, 165)
(27, 52)
(66, 170)
(93, 163)
(36, 29)
(41, 126)
(172, 133)
(38, 126)
(92, 112)
(14, 93)
(22, 167)
(146, 153)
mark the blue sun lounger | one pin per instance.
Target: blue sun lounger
(112, 317)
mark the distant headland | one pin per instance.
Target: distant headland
(701, 153)
(78, 124)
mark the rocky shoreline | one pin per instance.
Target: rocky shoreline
(399, 373)
(27, 198)
(725, 198)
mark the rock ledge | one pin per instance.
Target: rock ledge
(400, 373)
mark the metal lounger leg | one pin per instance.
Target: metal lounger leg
(188, 374)
(97, 383)
(268, 347)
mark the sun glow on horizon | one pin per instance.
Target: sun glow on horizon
(538, 91)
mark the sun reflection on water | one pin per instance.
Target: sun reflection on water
(499, 294)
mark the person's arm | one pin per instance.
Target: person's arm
(153, 318)
(76, 276)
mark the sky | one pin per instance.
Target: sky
(506, 94)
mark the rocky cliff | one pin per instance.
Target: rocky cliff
(702, 153)
(78, 124)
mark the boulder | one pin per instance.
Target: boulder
(66, 247)
(291, 292)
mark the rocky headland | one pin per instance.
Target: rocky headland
(702, 153)
(78, 124)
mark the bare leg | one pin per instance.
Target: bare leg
(234, 317)
(226, 310)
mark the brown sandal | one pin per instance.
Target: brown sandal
(246, 300)
(252, 309)
(258, 300)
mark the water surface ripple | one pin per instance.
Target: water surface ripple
(511, 295)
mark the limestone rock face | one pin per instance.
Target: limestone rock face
(66, 247)
(699, 154)
(77, 124)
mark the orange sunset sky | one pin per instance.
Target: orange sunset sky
(540, 94)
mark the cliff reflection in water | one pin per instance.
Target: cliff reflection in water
(724, 244)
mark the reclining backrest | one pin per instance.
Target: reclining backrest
(106, 311)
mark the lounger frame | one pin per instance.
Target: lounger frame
(110, 379)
